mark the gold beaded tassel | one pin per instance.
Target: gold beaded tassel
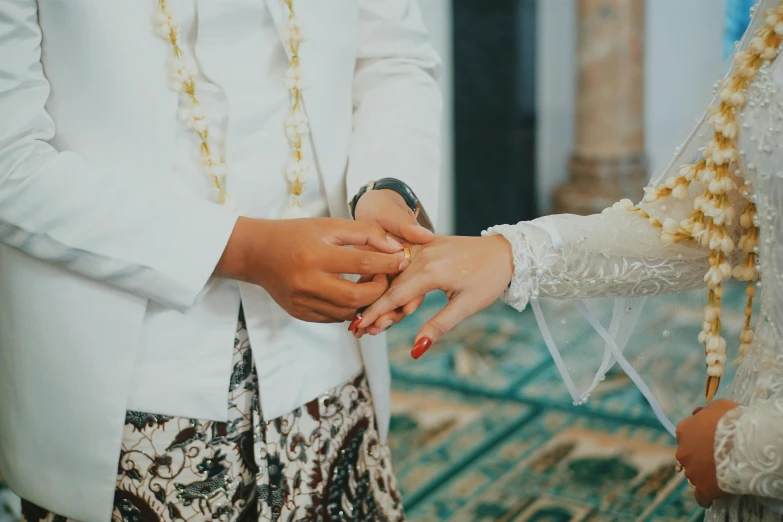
(297, 124)
(713, 214)
(183, 79)
(748, 271)
(714, 211)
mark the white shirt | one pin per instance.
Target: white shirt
(247, 101)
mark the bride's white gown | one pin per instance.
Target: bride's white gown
(618, 253)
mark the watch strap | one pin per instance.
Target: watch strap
(400, 188)
(386, 184)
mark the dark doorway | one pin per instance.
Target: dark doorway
(494, 113)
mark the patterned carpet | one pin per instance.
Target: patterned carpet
(483, 429)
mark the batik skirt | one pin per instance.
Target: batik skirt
(321, 462)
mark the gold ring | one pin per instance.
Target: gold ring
(678, 468)
(407, 252)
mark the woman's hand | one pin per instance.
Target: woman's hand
(696, 453)
(472, 271)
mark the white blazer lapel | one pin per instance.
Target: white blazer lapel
(279, 12)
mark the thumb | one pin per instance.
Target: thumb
(402, 223)
(363, 234)
(415, 233)
(444, 321)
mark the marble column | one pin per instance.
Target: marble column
(608, 162)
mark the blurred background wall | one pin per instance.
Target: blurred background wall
(510, 83)
(683, 54)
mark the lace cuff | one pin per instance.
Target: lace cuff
(728, 472)
(523, 286)
(749, 450)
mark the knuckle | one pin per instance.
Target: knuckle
(428, 265)
(298, 313)
(351, 297)
(353, 300)
(681, 429)
(439, 327)
(302, 257)
(298, 285)
(679, 456)
(363, 263)
(393, 294)
(349, 315)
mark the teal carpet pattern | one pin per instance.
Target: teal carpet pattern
(484, 430)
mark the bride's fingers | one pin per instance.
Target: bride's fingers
(458, 309)
(386, 321)
(414, 305)
(405, 288)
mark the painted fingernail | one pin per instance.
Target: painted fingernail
(394, 243)
(697, 410)
(421, 346)
(355, 324)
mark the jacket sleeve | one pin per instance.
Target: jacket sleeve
(94, 220)
(397, 103)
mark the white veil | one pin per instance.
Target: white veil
(653, 340)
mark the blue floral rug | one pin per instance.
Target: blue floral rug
(483, 429)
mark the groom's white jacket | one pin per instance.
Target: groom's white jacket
(90, 231)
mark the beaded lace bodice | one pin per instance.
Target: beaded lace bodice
(618, 253)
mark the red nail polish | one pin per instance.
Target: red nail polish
(354, 324)
(421, 346)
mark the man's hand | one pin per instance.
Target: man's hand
(388, 209)
(299, 263)
(696, 450)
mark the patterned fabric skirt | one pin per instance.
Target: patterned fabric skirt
(321, 462)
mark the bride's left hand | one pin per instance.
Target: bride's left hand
(696, 453)
(472, 271)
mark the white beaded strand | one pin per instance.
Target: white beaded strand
(184, 73)
(297, 125)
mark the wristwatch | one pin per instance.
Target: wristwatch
(400, 188)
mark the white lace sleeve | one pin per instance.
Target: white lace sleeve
(749, 450)
(617, 253)
(568, 266)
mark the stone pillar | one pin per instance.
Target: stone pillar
(608, 162)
